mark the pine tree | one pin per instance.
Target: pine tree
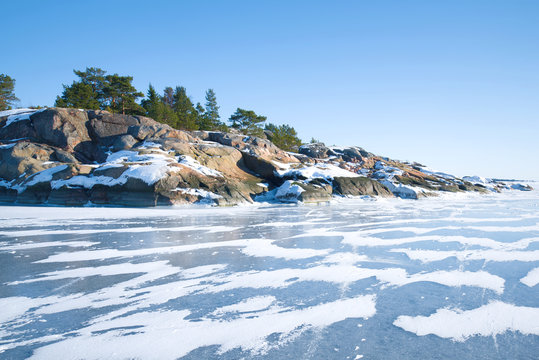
(95, 77)
(201, 119)
(212, 110)
(184, 109)
(168, 97)
(87, 93)
(79, 96)
(157, 109)
(122, 95)
(153, 105)
(247, 121)
(284, 137)
(7, 92)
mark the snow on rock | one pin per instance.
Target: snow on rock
(195, 165)
(149, 168)
(15, 111)
(521, 187)
(319, 171)
(7, 146)
(150, 174)
(402, 191)
(289, 191)
(436, 173)
(206, 196)
(385, 174)
(40, 177)
(477, 180)
(18, 115)
(6, 184)
(481, 181)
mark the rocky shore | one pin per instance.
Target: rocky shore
(78, 157)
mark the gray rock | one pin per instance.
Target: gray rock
(316, 192)
(104, 127)
(64, 156)
(113, 172)
(357, 186)
(24, 158)
(260, 167)
(18, 130)
(316, 150)
(124, 142)
(64, 128)
(67, 196)
(142, 132)
(7, 195)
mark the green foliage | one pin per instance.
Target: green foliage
(157, 109)
(96, 90)
(121, 95)
(284, 136)
(208, 116)
(168, 97)
(94, 77)
(153, 105)
(7, 92)
(315, 141)
(87, 93)
(184, 109)
(78, 95)
(211, 115)
(247, 122)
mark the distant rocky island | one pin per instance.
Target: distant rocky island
(76, 157)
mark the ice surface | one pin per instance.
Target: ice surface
(257, 303)
(272, 282)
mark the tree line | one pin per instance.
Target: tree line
(97, 90)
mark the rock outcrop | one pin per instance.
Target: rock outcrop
(76, 157)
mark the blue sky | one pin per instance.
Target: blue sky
(451, 84)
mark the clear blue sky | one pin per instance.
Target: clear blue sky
(452, 84)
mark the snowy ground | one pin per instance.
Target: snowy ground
(371, 279)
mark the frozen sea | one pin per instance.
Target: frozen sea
(441, 278)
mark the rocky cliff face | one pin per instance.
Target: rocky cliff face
(77, 157)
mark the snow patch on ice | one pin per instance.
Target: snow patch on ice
(488, 320)
(116, 336)
(44, 244)
(427, 256)
(532, 278)
(263, 247)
